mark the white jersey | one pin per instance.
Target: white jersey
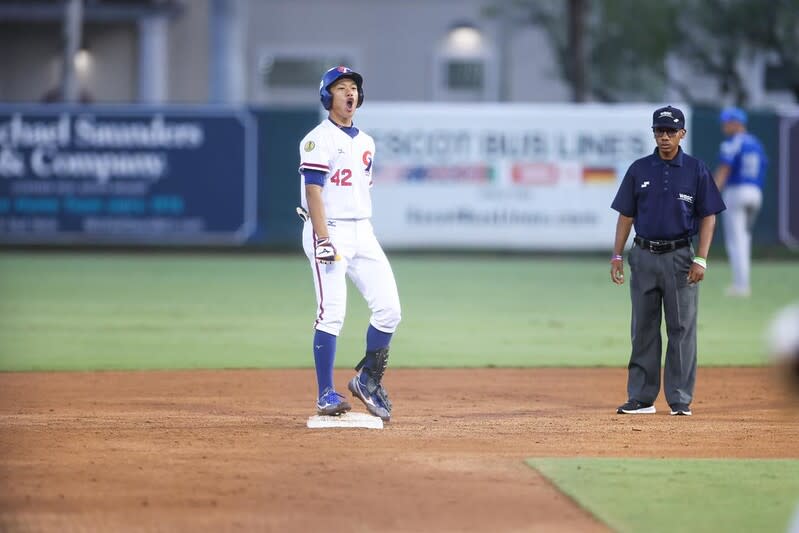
(347, 162)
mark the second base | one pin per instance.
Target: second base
(347, 420)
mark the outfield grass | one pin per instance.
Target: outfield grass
(131, 311)
(697, 495)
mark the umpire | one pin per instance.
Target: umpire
(669, 197)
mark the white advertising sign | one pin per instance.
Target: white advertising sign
(501, 176)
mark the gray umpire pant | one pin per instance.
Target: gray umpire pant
(659, 282)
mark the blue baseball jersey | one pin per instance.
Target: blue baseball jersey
(746, 158)
(667, 199)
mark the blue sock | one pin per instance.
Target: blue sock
(375, 340)
(324, 355)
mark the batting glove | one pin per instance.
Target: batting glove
(325, 251)
(303, 214)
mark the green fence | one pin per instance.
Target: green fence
(279, 131)
(279, 135)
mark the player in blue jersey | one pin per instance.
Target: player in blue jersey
(670, 197)
(740, 176)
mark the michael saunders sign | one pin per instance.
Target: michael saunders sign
(126, 176)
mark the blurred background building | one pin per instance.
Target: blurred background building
(273, 51)
(200, 163)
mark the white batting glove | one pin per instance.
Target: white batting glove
(325, 252)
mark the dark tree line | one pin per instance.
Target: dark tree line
(614, 50)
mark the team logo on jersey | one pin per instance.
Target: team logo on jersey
(310, 145)
(367, 161)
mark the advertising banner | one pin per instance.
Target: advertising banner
(502, 176)
(134, 175)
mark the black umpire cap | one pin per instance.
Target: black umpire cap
(668, 117)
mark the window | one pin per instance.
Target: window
(464, 75)
(465, 66)
(291, 76)
(288, 72)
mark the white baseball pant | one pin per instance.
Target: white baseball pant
(743, 204)
(363, 260)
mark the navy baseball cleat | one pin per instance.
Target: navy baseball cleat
(331, 403)
(634, 407)
(376, 401)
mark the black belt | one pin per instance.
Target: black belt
(661, 247)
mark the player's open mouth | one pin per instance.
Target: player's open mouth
(350, 103)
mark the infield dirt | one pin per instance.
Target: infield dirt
(229, 451)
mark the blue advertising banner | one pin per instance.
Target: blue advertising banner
(102, 175)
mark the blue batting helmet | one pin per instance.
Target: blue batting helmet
(331, 77)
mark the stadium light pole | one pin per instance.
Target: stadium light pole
(577, 49)
(503, 41)
(72, 29)
(227, 71)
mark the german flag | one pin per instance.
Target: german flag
(599, 175)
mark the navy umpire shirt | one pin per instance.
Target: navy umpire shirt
(667, 199)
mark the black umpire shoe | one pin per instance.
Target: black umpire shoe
(681, 409)
(634, 407)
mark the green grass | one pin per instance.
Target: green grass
(128, 311)
(696, 495)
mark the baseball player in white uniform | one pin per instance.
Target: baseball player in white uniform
(336, 169)
(740, 176)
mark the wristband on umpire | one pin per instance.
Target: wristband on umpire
(616, 258)
(701, 261)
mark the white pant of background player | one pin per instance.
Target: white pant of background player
(743, 204)
(363, 260)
